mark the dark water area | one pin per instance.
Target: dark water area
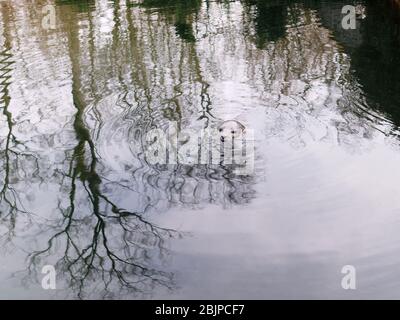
(77, 191)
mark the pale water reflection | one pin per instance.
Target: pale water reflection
(75, 193)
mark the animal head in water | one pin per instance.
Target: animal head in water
(231, 129)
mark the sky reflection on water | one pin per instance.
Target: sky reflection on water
(74, 192)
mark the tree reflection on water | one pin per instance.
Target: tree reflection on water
(75, 100)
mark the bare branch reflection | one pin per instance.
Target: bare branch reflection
(77, 102)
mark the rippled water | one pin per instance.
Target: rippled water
(77, 192)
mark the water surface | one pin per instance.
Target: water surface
(77, 192)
